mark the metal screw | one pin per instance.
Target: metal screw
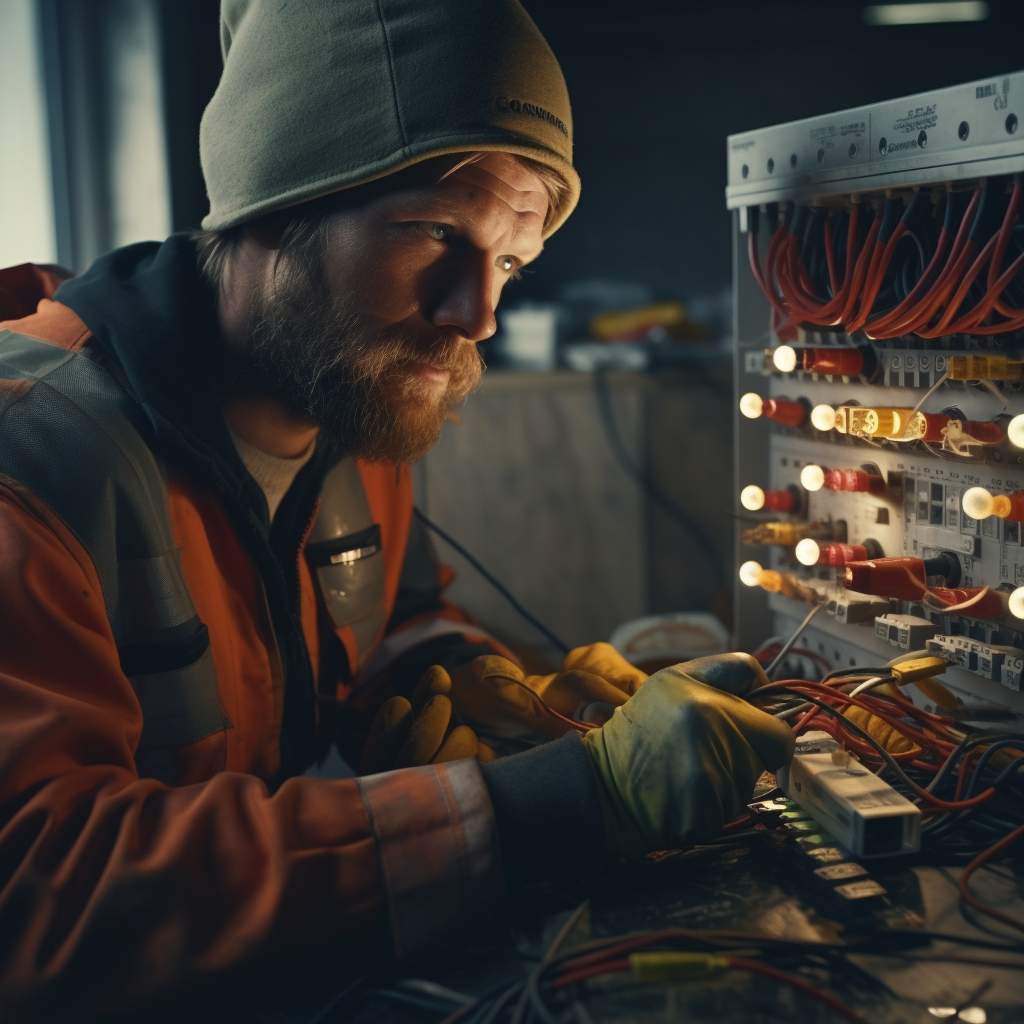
(883, 146)
(963, 131)
(771, 165)
(853, 150)
(922, 139)
(1011, 123)
(744, 170)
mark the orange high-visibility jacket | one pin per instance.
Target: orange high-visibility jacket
(154, 827)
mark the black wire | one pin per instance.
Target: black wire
(500, 587)
(614, 437)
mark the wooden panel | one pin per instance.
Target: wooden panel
(528, 484)
(690, 434)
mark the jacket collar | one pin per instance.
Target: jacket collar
(148, 306)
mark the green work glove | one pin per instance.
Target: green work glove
(681, 757)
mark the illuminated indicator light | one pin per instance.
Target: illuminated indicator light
(751, 405)
(835, 362)
(978, 367)
(1015, 431)
(784, 358)
(823, 417)
(784, 411)
(812, 478)
(752, 498)
(886, 422)
(750, 573)
(980, 504)
(1016, 603)
(852, 480)
(807, 551)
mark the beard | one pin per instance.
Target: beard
(332, 365)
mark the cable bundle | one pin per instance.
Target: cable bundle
(968, 786)
(898, 270)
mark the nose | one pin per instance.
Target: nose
(467, 302)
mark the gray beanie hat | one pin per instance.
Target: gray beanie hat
(321, 95)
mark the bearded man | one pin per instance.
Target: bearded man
(211, 569)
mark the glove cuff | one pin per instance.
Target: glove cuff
(547, 810)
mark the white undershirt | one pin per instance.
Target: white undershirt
(274, 474)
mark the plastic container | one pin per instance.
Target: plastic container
(655, 641)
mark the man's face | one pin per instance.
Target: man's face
(374, 338)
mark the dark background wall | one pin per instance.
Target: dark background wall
(656, 87)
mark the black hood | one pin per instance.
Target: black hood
(148, 306)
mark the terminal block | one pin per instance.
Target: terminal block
(998, 663)
(854, 609)
(861, 811)
(907, 632)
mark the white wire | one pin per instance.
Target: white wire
(928, 394)
(869, 684)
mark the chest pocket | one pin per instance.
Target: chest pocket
(345, 555)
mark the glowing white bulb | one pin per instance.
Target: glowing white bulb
(812, 478)
(823, 417)
(1016, 603)
(784, 358)
(977, 503)
(1015, 431)
(750, 573)
(973, 1015)
(752, 498)
(807, 551)
(750, 405)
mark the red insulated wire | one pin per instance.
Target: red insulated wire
(830, 256)
(980, 861)
(583, 973)
(942, 327)
(1009, 223)
(875, 280)
(991, 300)
(880, 327)
(792, 981)
(739, 963)
(924, 309)
(860, 271)
(1005, 233)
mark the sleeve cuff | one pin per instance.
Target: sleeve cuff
(439, 854)
(547, 810)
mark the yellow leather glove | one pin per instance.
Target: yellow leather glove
(681, 758)
(498, 699)
(407, 734)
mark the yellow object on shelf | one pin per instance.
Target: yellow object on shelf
(630, 324)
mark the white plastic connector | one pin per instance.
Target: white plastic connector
(863, 812)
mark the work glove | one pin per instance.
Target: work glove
(681, 757)
(408, 734)
(499, 700)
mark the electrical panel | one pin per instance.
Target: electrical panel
(879, 313)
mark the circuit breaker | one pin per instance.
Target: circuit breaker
(879, 318)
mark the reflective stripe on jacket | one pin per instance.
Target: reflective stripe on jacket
(138, 650)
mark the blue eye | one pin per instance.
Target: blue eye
(439, 231)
